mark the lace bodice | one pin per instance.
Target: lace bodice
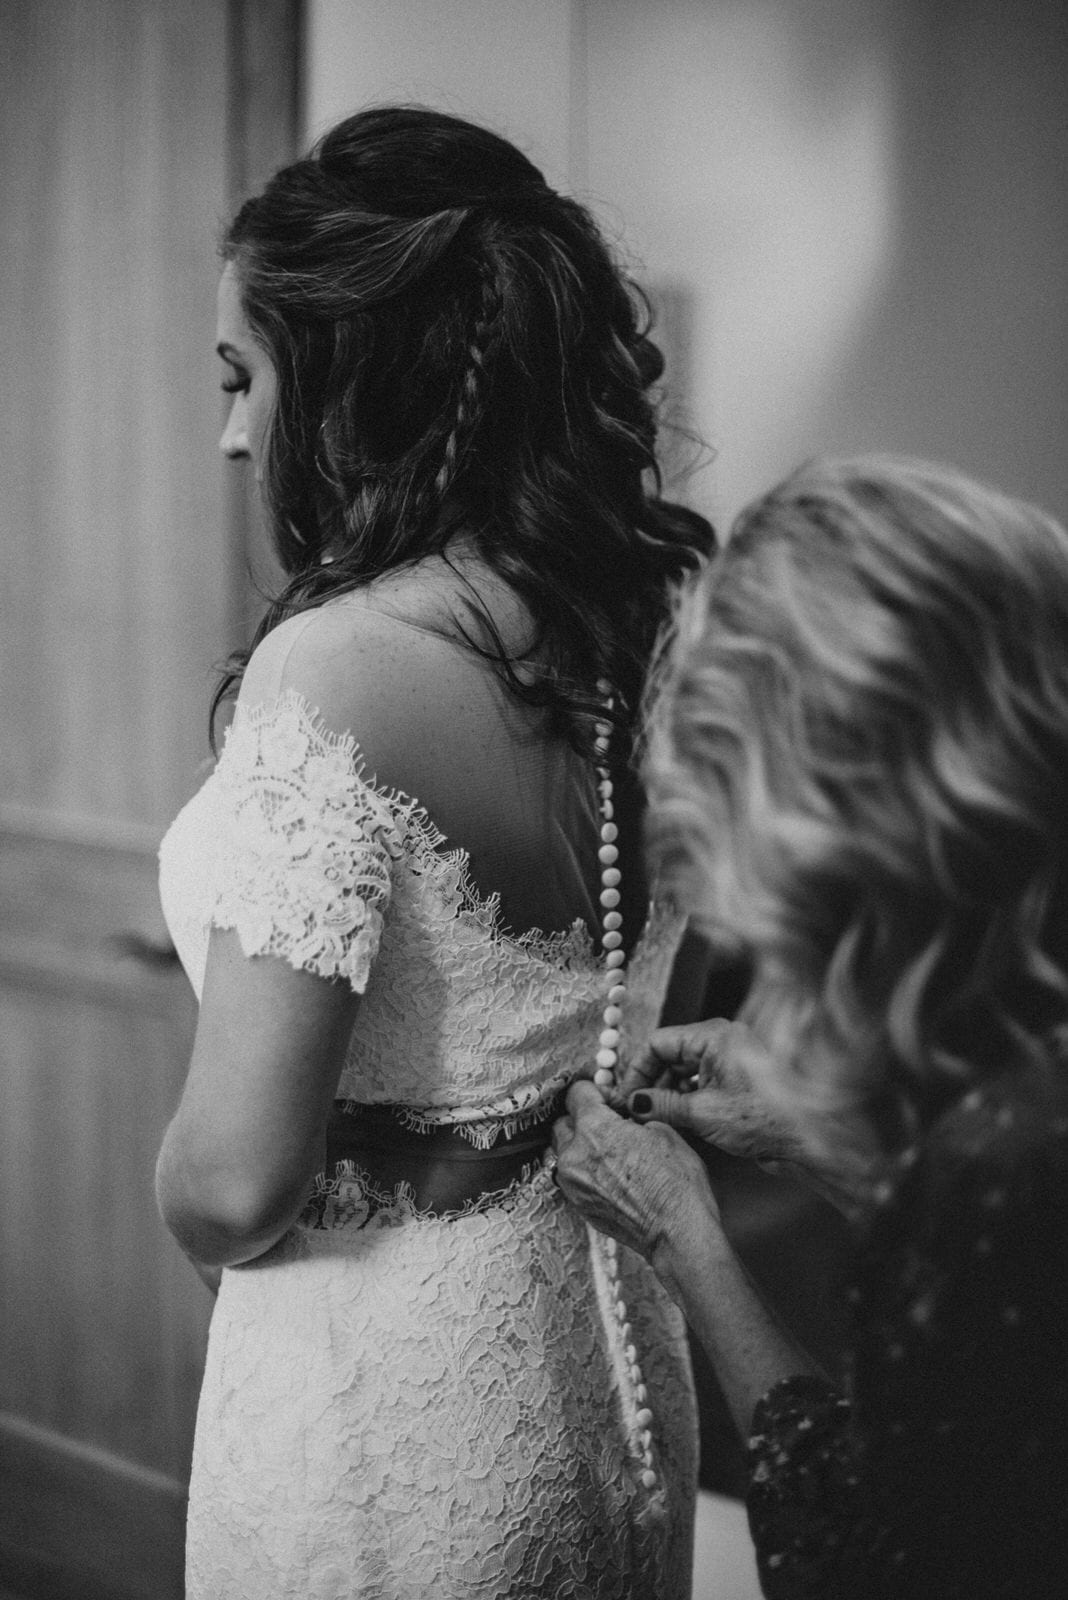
(289, 843)
(395, 1404)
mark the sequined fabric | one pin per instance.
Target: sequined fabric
(943, 1468)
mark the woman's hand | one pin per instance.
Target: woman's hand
(645, 1187)
(642, 1185)
(699, 1078)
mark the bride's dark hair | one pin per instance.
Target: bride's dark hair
(457, 352)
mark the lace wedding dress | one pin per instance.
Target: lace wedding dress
(400, 1405)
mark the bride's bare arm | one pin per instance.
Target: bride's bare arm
(247, 1137)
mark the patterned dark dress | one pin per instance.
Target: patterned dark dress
(943, 1469)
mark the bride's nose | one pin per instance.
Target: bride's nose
(234, 441)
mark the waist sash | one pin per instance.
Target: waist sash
(443, 1171)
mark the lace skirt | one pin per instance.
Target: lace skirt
(397, 1406)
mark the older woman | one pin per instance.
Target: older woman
(859, 768)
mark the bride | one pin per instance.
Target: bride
(424, 1375)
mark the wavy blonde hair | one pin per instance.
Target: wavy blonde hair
(858, 769)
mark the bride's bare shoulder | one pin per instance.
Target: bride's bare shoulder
(389, 664)
(448, 598)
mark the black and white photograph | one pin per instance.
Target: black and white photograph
(533, 800)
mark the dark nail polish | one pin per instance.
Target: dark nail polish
(641, 1104)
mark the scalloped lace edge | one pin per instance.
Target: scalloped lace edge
(450, 869)
(481, 1125)
(390, 1208)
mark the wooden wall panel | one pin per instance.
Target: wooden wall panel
(106, 1342)
(115, 565)
(122, 584)
(104, 1324)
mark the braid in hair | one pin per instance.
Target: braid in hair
(476, 377)
(457, 354)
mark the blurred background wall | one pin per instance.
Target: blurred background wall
(851, 213)
(128, 128)
(851, 218)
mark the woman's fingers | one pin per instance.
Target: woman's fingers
(697, 1052)
(667, 1105)
(561, 1135)
(584, 1100)
(584, 1097)
(672, 1055)
(647, 1070)
(626, 1180)
(736, 1121)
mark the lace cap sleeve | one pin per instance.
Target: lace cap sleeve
(305, 867)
